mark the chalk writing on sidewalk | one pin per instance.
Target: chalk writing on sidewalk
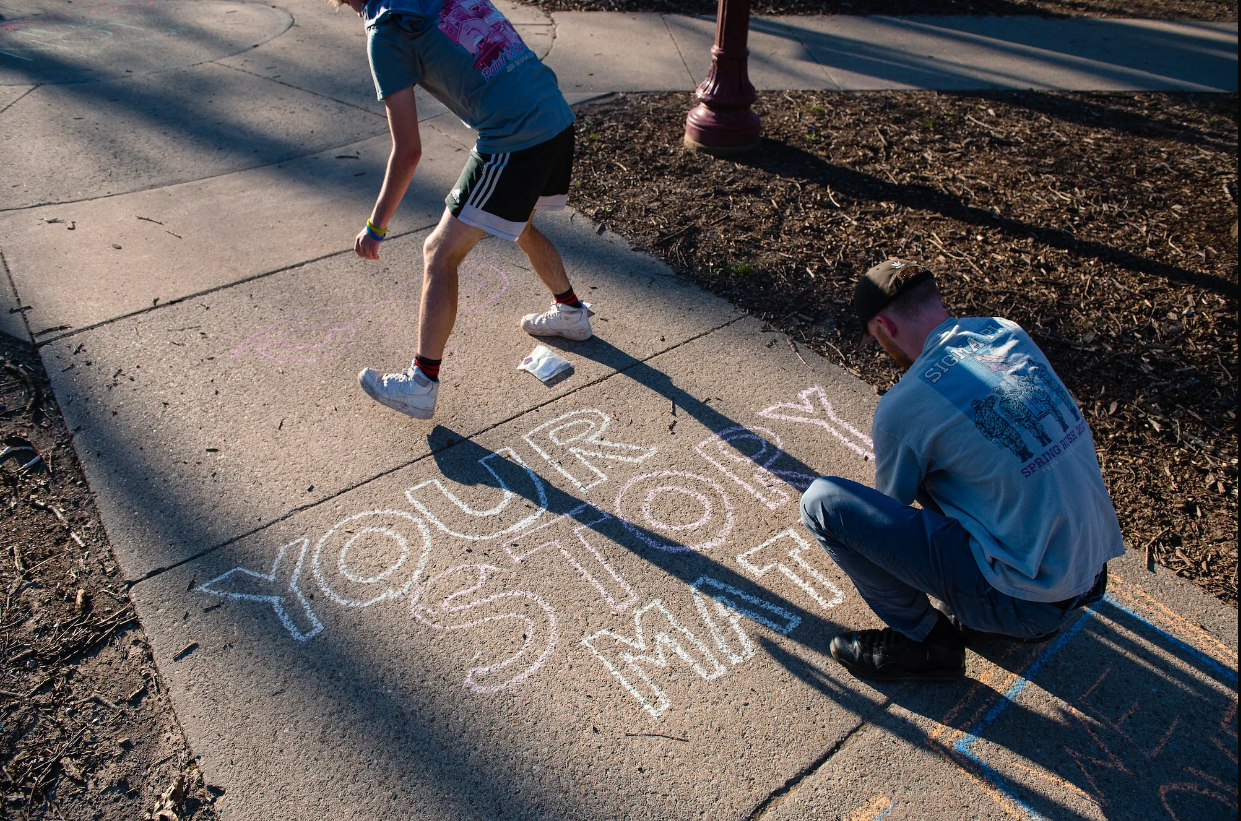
(707, 499)
(419, 553)
(508, 471)
(579, 435)
(798, 569)
(585, 558)
(1132, 748)
(468, 607)
(657, 636)
(277, 588)
(765, 481)
(813, 408)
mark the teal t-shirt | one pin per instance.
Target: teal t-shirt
(984, 424)
(467, 55)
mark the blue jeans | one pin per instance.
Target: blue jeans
(896, 555)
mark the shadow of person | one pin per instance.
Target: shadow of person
(1133, 719)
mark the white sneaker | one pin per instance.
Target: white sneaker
(409, 391)
(559, 320)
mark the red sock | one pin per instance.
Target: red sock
(568, 298)
(430, 367)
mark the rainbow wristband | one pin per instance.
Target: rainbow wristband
(374, 233)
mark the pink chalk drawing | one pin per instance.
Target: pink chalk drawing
(484, 32)
(321, 333)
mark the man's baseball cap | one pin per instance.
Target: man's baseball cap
(882, 284)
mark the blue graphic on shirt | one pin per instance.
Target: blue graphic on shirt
(1006, 392)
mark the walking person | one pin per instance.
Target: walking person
(468, 56)
(1015, 525)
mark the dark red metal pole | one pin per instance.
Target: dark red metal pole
(722, 122)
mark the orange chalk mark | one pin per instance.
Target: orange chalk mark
(1191, 631)
(872, 808)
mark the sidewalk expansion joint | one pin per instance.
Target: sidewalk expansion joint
(23, 94)
(663, 18)
(298, 88)
(8, 275)
(198, 294)
(157, 187)
(778, 795)
(150, 574)
(551, 21)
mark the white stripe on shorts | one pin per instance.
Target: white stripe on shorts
(488, 167)
(489, 186)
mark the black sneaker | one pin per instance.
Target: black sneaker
(886, 655)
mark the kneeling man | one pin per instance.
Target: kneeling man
(1015, 525)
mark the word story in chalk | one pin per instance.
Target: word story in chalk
(433, 550)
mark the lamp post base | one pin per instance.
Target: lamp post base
(723, 131)
(719, 150)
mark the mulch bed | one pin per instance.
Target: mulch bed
(86, 727)
(1212, 10)
(1105, 224)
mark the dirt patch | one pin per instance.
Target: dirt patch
(1212, 10)
(86, 727)
(1104, 224)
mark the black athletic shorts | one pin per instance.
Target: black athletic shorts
(499, 192)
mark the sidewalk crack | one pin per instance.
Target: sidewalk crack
(777, 796)
(551, 21)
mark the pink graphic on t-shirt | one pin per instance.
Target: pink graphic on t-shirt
(484, 32)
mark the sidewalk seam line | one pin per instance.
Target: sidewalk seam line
(150, 574)
(296, 88)
(663, 18)
(173, 184)
(777, 796)
(21, 96)
(214, 289)
(4, 263)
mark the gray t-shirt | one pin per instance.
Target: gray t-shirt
(468, 56)
(983, 423)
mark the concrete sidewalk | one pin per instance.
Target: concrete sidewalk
(596, 51)
(586, 601)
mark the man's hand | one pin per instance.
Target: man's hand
(365, 246)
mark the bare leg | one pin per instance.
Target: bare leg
(544, 258)
(442, 253)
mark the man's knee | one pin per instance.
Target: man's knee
(820, 501)
(433, 248)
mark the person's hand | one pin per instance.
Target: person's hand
(365, 246)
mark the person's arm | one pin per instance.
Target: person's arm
(898, 468)
(406, 151)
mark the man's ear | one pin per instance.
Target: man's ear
(889, 327)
